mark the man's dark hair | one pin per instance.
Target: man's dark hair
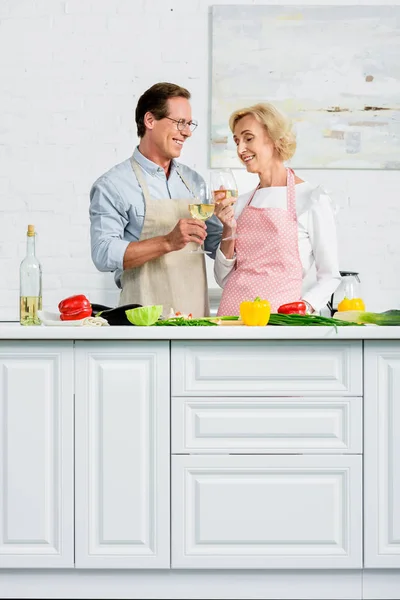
(154, 100)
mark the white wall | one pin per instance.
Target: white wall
(70, 75)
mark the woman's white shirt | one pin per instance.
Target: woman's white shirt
(317, 239)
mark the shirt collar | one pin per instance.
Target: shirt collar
(149, 166)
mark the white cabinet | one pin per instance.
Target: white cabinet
(122, 455)
(223, 425)
(268, 505)
(272, 368)
(36, 454)
(382, 454)
(266, 512)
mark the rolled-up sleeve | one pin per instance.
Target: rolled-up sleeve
(223, 267)
(108, 219)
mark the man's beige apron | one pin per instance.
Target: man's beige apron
(176, 280)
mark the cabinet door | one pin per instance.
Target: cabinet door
(259, 512)
(122, 455)
(36, 454)
(382, 454)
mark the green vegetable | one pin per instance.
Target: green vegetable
(114, 316)
(294, 320)
(179, 321)
(144, 315)
(306, 320)
(389, 317)
(225, 318)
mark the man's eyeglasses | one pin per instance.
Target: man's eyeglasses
(181, 124)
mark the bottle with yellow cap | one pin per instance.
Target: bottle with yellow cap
(30, 283)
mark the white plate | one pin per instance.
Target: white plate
(53, 319)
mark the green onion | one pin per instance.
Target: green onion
(179, 321)
(306, 320)
(389, 317)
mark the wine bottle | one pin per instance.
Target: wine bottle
(30, 283)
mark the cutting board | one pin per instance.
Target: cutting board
(230, 323)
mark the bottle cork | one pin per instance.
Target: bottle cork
(31, 231)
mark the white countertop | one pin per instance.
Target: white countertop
(14, 331)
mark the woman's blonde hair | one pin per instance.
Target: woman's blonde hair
(277, 125)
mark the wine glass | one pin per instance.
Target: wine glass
(201, 208)
(223, 185)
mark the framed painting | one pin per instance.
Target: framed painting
(334, 70)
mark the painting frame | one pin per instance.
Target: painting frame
(343, 97)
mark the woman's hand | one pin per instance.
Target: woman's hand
(224, 210)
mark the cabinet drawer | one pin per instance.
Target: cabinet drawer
(266, 512)
(257, 425)
(267, 368)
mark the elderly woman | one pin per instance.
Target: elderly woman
(284, 246)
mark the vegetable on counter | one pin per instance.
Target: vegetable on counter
(351, 304)
(173, 314)
(294, 320)
(298, 308)
(114, 316)
(144, 315)
(361, 317)
(74, 308)
(180, 321)
(306, 320)
(256, 313)
(98, 308)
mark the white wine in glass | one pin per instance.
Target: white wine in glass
(201, 211)
(222, 194)
(201, 208)
(223, 186)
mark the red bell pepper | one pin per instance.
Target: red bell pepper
(74, 308)
(76, 316)
(293, 308)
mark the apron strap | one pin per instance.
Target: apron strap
(141, 180)
(291, 193)
(184, 182)
(252, 195)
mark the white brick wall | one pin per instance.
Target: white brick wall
(71, 72)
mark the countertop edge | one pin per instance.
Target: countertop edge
(14, 331)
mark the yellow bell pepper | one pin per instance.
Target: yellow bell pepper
(351, 304)
(256, 312)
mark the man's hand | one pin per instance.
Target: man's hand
(185, 231)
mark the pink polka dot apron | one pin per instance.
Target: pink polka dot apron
(267, 256)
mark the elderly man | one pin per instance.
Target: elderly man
(140, 222)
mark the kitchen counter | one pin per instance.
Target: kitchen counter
(200, 462)
(14, 331)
